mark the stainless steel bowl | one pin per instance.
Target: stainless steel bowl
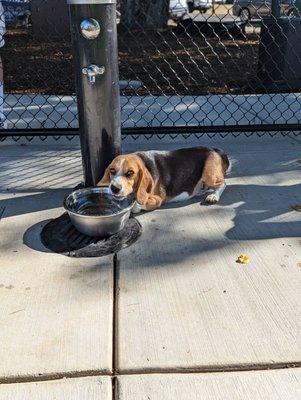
(96, 212)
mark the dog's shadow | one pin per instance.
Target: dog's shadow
(261, 212)
(264, 212)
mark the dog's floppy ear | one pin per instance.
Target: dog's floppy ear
(145, 185)
(105, 180)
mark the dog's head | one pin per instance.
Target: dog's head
(127, 174)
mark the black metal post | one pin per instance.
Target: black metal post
(94, 37)
(276, 9)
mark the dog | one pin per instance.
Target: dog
(157, 177)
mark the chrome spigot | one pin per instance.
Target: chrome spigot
(92, 71)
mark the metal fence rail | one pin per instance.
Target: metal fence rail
(201, 65)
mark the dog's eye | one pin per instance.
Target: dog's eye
(112, 171)
(129, 174)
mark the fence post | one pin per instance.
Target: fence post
(276, 9)
(94, 37)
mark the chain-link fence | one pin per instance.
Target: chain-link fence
(185, 65)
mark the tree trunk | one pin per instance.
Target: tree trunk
(144, 14)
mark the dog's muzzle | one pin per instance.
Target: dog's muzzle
(116, 190)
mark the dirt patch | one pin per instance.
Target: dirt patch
(167, 62)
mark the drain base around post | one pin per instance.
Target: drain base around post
(60, 236)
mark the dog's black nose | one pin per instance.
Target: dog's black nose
(115, 189)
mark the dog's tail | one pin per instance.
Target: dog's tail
(226, 161)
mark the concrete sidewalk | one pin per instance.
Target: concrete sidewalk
(38, 111)
(176, 316)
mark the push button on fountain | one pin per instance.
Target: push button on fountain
(90, 28)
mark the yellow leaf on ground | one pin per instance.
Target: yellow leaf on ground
(243, 259)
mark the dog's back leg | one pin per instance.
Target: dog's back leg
(213, 176)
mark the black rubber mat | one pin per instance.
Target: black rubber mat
(60, 236)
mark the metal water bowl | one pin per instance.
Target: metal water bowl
(96, 212)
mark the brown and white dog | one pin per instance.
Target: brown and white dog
(157, 177)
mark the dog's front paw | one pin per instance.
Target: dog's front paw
(212, 198)
(136, 209)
